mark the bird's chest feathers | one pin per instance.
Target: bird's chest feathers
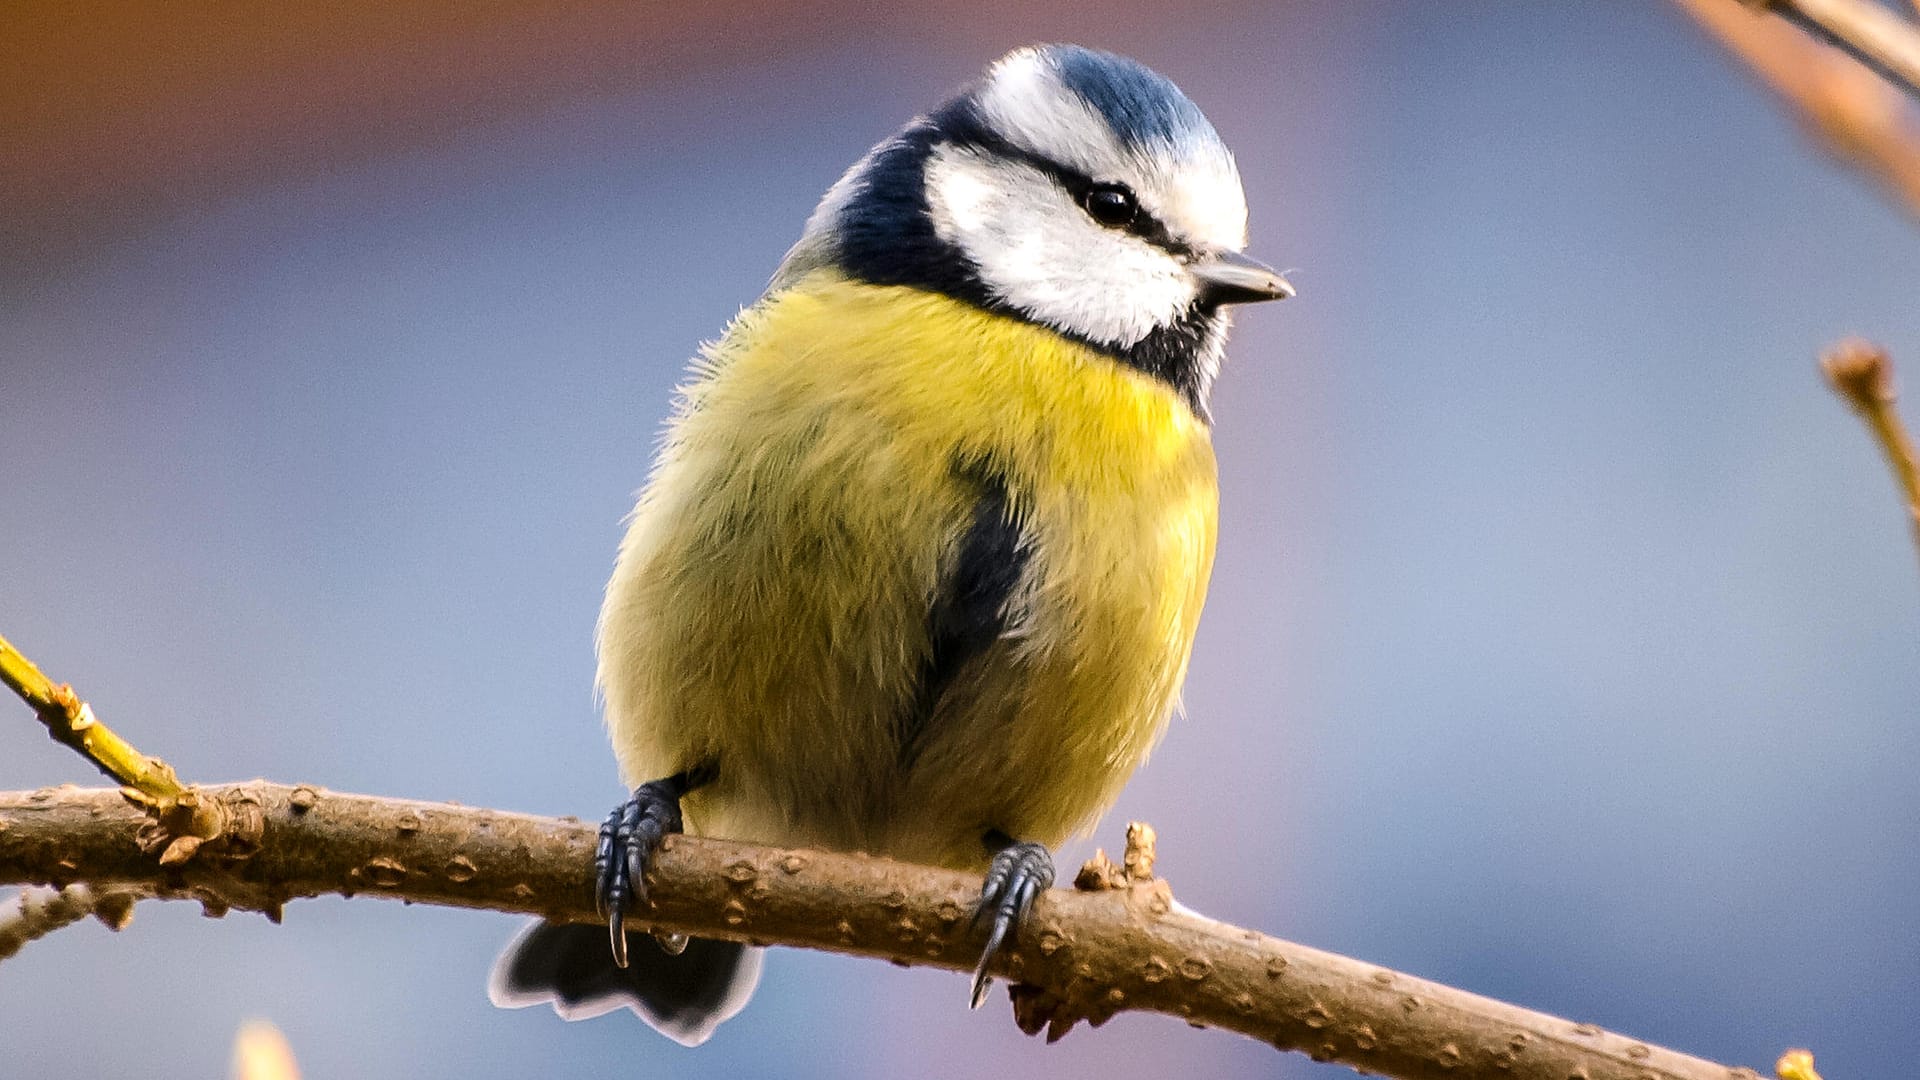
(1108, 470)
(804, 552)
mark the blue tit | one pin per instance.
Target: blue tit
(919, 566)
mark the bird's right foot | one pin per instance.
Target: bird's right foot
(1019, 873)
(628, 839)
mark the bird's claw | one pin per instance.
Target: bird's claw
(1019, 873)
(628, 839)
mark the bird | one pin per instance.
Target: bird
(919, 564)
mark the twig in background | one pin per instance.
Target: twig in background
(71, 722)
(1862, 374)
(1861, 119)
(1876, 36)
(181, 819)
(40, 910)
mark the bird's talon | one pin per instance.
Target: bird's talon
(617, 936)
(982, 982)
(627, 842)
(1019, 873)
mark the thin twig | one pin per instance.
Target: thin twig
(1869, 31)
(40, 910)
(71, 722)
(1862, 374)
(1864, 121)
(1091, 954)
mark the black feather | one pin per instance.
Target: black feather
(969, 612)
(685, 996)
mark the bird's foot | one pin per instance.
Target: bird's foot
(1019, 873)
(628, 840)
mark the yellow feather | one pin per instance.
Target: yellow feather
(769, 607)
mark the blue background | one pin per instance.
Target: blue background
(1561, 641)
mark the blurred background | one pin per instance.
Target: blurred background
(1562, 638)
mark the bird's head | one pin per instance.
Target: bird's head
(1070, 188)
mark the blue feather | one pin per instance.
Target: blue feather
(1140, 105)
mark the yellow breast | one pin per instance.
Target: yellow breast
(769, 608)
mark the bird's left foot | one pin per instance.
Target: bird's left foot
(629, 838)
(1019, 873)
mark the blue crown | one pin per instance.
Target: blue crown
(1139, 104)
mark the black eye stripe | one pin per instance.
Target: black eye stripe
(1076, 184)
(1142, 224)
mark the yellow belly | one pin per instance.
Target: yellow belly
(769, 607)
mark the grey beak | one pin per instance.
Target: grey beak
(1228, 277)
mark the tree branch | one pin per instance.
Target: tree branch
(71, 723)
(1862, 119)
(1087, 954)
(1874, 35)
(1118, 942)
(1862, 374)
(39, 911)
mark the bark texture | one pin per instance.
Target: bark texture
(1118, 942)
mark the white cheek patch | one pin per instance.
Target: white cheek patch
(965, 191)
(1041, 254)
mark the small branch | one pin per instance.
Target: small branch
(71, 722)
(39, 911)
(1876, 36)
(1862, 374)
(1094, 953)
(1859, 117)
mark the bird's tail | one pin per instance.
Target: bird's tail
(683, 996)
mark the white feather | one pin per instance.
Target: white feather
(1040, 253)
(1192, 187)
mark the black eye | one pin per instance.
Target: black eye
(1111, 205)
